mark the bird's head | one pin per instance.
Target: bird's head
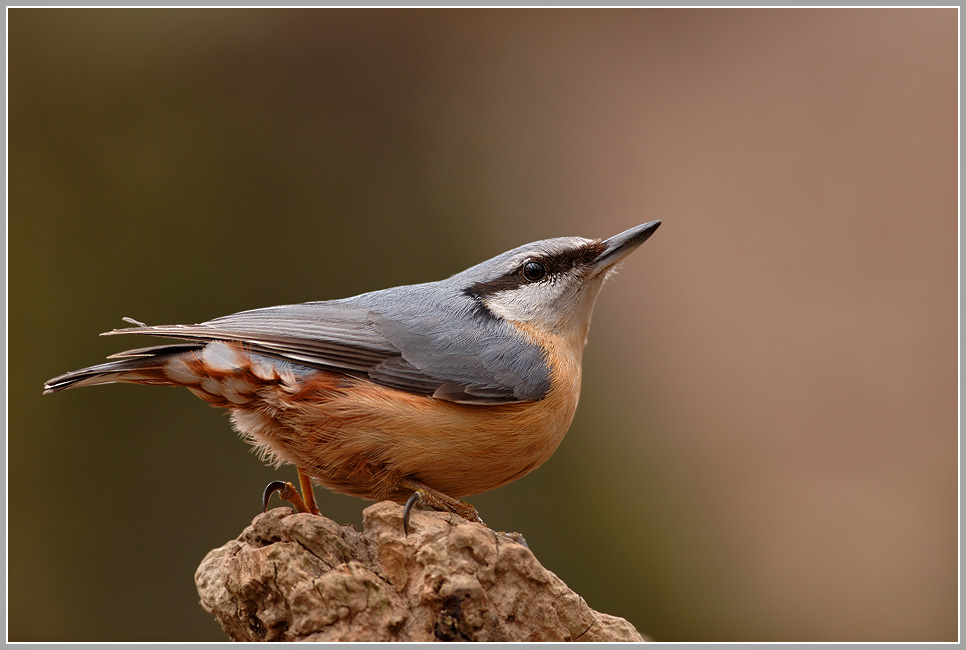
(552, 285)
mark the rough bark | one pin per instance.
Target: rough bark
(299, 577)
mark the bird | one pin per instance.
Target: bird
(421, 394)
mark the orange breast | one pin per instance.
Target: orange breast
(360, 438)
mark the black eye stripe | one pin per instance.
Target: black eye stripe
(553, 265)
(561, 263)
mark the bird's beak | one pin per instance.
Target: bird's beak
(620, 246)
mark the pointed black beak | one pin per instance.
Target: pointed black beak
(620, 246)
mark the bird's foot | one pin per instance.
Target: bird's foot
(287, 492)
(430, 499)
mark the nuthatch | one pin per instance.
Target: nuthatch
(419, 394)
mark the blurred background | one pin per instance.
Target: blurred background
(766, 447)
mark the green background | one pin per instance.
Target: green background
(766, 446)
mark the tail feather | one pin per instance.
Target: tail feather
(141, 366)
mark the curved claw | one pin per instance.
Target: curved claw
(270, 489)
(412, 501)
(287, 492)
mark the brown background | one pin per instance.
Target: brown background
(766, 447)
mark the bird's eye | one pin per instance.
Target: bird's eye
(534, 271)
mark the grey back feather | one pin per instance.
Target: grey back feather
(431, 339)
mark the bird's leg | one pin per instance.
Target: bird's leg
(287, 492)
(432, 499)
(307, 493)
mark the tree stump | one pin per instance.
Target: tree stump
(300, 577)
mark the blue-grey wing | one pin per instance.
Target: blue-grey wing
(326, 334)
(402, 337)
(470, 355)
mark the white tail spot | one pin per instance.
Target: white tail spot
(220, 356)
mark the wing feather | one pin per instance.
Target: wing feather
(399, 337)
